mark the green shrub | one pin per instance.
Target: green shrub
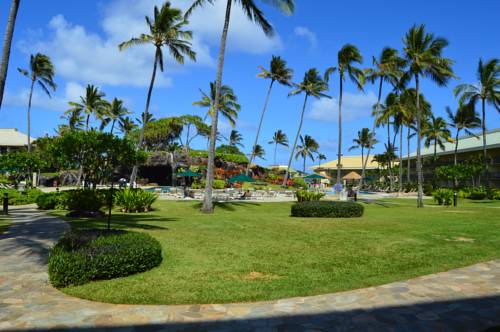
(49, 201)
(427, 189)
(307, 196)
(83, 256)
(299, 183)
(84, 199)
(16, 197)
(325, 209)
(217, 184)
(443, 196)
(496, 194)
(464, 193)
(478, 194)
(135, 200)
(227, 157)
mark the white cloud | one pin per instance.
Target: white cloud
(355, 106)
(307, 34)
(88, 57)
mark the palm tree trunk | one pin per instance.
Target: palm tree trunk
(285, 179)
(401, 158)
(7, 42)
(275, 149)
(133, 176)
(252, 155)
(112, 126)
(485, 155)
(304, 165)
(29, 114)
(374, 127)
(362, 160)
(420, 194)
(389, 156)
(207, 201)
(339, 155)
(455, 161)
(87, 122)
(408, 171)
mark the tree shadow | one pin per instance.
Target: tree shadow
(474, 314)
(227, 206)
(145, 221)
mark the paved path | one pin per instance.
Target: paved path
(466, 299)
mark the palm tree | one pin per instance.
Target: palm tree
(365, 140)
(346, 58)
(465, 118)
(486, 90)
(278, 72)
(307, 148)
(165, 29)
(279, 138)
(423, 53)
(235, 138)
(228, 103)
(258, 151)
(145, 118)
(74, 118)
(126, 125)
(41, 71)
(387, 68)
(313, 85)
(436, 132)
(114, 112)
(254, 14)
(92, 104)
(321, 157)
(7, 42)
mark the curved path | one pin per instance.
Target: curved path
(466, 299)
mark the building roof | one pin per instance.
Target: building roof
(282, 168)
(465, 144)
(348, 162)
(11, 137)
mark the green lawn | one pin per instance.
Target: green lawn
(4, 224)
(255, 251)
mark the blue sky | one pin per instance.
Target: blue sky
(82, 38)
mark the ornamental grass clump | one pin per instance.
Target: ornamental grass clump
(134, 200)
(443, 196)
(308, 196)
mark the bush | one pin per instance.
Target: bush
(307, 196)
(49, 201)
(84, 200)
(83, 256)
(135, 200)
(495, 194)
(299, 183)
(16, 197)
(443, 196)
(217, 184)
(326, 209)
(428, 189)
(477, 194)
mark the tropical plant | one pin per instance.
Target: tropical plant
(75, 119)
(115, 112)
(436, 132)
(254, 14)
(9, 31)
(126, 125)
(465, 118)
(423, 53)
(165, 30)
(228, 103)
(135, 200)
(486, 90)
(308, 147)
(278, 72)
(387, 68)
(41, 71)
(347, 57)
(235, 138)
(90, 104)
(258, 152)
(321, 157)
(313, 85)
(365, 140)
(145, 118)
(279, 138)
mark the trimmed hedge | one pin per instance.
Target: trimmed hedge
(324, 209)
(49, 201)
(16, 197)
(82, 256)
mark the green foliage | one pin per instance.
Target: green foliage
(84, 199)
(232, 158)
(217, 184)
(478, 194)
(82, 256)
(299, 183)
(325, 209)
(17, 197)
(49, 201)
(135, 200)
(443, 196)
(496, 194)
(428, 189)
(307, 196)
(227, 149)
(19, 164)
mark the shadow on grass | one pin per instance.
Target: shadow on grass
(227, 206)
(145, 221)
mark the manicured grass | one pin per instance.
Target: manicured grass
(255, 251)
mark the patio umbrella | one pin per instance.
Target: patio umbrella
(189, 174)
(314, 177)
(240, 178)
(352, 176)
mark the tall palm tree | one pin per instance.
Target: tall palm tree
(228, 103)
(486, 90)
(365, 140)
(116, 112)
(145, 118)
(308, 147)
(165, 30)
(279, 138)
(259, 151)
(313, 85)
(423, 53)
(465, 118)
(278, 72)
(41, 71)
(92, 103)
(7, 42)
(321, 157)
(387, 68)
(126, 125)
(235, 138)
(254, 14)
(347, 57)
(436, 132)
(74, 118)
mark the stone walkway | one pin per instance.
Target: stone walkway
(466, 299)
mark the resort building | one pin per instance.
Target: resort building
(12, 139)
(349, 164)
